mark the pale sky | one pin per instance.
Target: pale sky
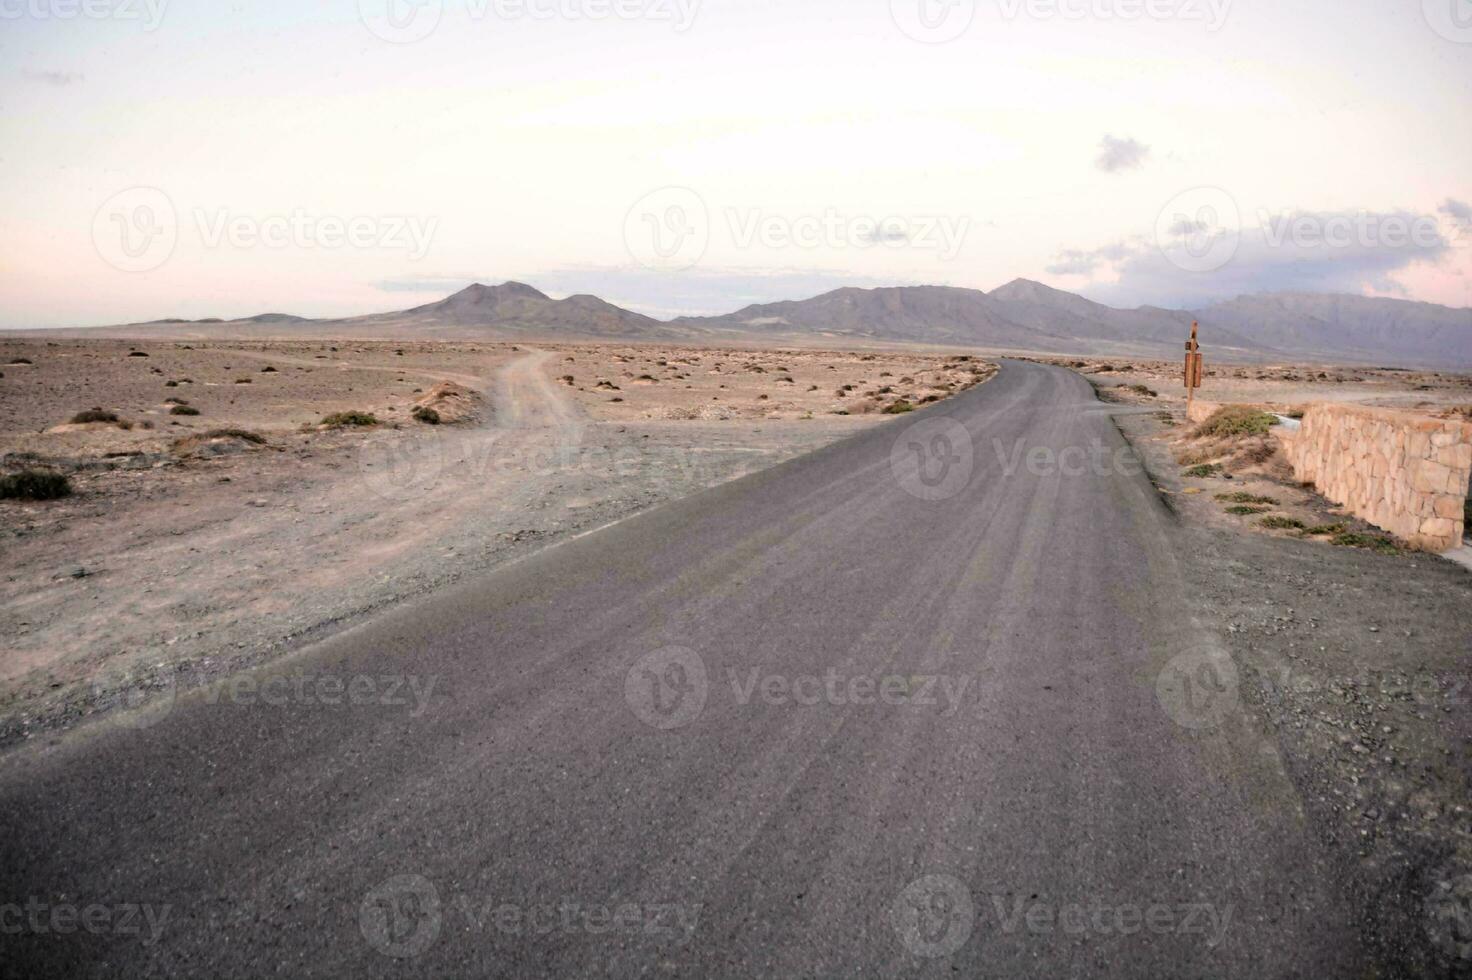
(318, 157)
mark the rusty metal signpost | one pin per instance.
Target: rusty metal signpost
(1193, 368)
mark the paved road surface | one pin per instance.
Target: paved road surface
(890, 708)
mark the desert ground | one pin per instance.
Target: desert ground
(218, 521)
(196, 545)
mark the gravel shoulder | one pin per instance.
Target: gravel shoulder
(1355, 666)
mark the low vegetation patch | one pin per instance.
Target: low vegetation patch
(1373, 542)
(1243, 497)
(1236, 420)
(94, 414)
(1245, 509)
(1143, 390)
(182, 409)
(203, 440)
(1204, 470)
(899, 408)
(338, 420)
(425, 414)
(245, 434)
(34, 485)
(1319, 529)
(1281, 523)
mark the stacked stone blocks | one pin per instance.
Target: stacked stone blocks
(1405, 473)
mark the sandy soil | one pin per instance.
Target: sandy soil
(182, 556)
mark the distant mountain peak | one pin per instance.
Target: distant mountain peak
(479, 292)
(1029, 289)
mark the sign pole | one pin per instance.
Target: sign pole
(1193, 371)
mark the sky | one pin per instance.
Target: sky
(340, 157)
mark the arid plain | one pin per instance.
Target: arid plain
(233, 500)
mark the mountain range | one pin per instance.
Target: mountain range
(1022, 316)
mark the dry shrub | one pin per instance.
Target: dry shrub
(1235, 420)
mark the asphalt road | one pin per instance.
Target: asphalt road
(927, 701)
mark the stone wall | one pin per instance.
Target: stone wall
(1405, 473)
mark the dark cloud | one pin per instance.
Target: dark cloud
(1459, 215)
(1341, 252)
(1116, 155)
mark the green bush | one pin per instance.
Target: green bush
(1204, 470)
(899, 408)
(1279, 522)
(1245, 509)
(338, 420)
(34, 485)
(424, 413)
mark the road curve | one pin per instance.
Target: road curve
(892, 707)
